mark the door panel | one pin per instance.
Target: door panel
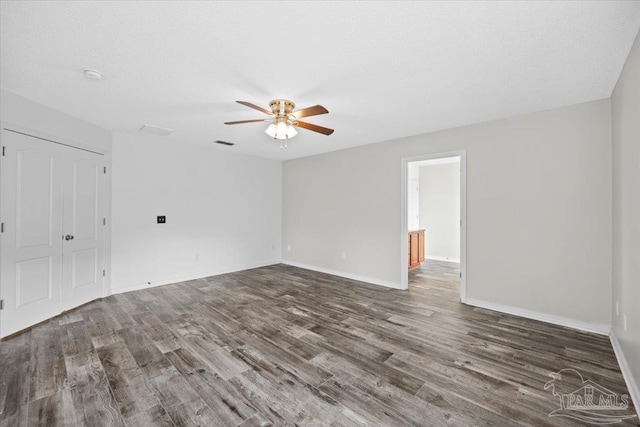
(33, 281)
(84, 191)
(85, 268)
(31, 245)
(34, 172)
(83, 214)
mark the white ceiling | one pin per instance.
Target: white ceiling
(384, 70)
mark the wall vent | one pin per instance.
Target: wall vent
(225, 143)
(155, 130)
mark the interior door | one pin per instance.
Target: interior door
(31, 243)
(82, 271)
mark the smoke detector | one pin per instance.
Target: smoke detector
(93, 74)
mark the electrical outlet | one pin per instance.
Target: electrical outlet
(289, 248)
(343, 255)
(617, 308)
(624, 321)
(162, 219)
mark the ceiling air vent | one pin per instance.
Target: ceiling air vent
(155, 130)
(224, 143)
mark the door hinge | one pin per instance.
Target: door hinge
(2, 228)
(1, 304)
(105, 169)
(3, 148)
(104, 221)
(104, 273)
(461, 274)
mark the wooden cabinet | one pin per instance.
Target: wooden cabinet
(416, 248)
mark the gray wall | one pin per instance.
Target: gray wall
(538, 210)
(625, 107)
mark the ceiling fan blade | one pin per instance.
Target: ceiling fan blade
(254, 106)
(315, 128)
(310, 111)
(239, 122)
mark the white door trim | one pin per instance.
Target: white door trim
(51, 138)
(404, 266)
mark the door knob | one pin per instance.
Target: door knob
(68, 237)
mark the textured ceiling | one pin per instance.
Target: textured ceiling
(383, 69)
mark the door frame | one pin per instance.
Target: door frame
(404, 266)
(106, 251)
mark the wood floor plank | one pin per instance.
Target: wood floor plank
(48, 371)
(155, 416)
(298, 366)
(126, 380)
(182, 403)
(313, 403)
(158, 331)
(93, 401)
(148, 357)
(14, 380)
(281, 346)
(53, 410)
(226, 402)
(257, 420)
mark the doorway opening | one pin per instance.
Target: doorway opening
(433, 217)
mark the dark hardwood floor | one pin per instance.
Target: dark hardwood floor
(285, 346)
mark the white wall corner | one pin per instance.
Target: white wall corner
(632, 385)
(359, 278)
(596, 328)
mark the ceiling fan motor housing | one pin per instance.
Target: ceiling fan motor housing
(282, 107)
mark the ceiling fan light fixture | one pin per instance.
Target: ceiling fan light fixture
(271, 130)
(281, 130)
(291, 131)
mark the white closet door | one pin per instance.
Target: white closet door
(31, 244)
(83, 227)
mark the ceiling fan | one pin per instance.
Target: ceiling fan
(284, 120)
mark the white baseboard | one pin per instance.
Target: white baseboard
(192, 276)
(442, 258)
(351, 276)
(596, 328)
(632, 385)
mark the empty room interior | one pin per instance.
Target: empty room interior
(319, 213)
